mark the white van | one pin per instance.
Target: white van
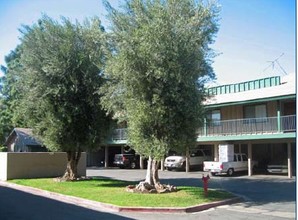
(197, 157)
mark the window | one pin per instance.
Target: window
(260, 111)
(255, 111)
(244, 157)
(239, 157)
(214, 117)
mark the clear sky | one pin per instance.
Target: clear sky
(252, 32)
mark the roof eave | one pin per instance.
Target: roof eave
(217, 105)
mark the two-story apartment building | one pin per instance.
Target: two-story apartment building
(258, 117)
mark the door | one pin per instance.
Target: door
(289, 108)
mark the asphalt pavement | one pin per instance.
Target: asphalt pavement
(265, 197)
(19, 205)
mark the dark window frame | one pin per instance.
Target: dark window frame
(255, 119)
(210, 118)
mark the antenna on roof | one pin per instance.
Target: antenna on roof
(272, 64)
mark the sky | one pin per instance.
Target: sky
(252, 33)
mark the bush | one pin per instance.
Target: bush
(3, 148)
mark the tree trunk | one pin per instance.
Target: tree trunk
(155, 176)
(72, 165)
(149, 178)
(152, 183)
(152, 177)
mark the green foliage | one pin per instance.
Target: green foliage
(3, 148)
(62, 67)
(5, 120)
(157, 72)
(9, 93)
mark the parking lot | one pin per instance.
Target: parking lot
(265, 196)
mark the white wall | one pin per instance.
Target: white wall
(3, 166)
(36, 165)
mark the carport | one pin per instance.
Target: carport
(265, 152)
(111, 150)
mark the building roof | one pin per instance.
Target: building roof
(285, 88)
(25, 135)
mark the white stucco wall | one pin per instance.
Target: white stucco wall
(36, 165)
(3, 166)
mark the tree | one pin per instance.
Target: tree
(156, 74)
(9, 93)
(62, 71)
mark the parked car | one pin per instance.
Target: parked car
(126, 161)
(240, 163)
(277, 167)
(196, 159)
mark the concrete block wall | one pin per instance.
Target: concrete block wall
(36, 165)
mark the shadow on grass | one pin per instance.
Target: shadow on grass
(213, 195)
(197, 191)
(109, 182)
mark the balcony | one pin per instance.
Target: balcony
(119, 135)
(251, 126)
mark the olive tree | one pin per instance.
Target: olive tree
(156, 73)
(62, 68)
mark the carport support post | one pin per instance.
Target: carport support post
(187, 160)
(205, 127)
(162, 166)
(106, 156)
(278, 121)
(141, 163)
(249, 159)
(216, 152)
(290, 174)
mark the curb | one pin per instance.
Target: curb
(99, 206)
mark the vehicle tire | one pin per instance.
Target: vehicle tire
(213, 173)
(201, 167)
(132, 165)
(230, 172)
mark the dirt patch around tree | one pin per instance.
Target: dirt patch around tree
(144, 187)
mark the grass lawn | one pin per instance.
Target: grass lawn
(113, 192)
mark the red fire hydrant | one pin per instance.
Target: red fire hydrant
(205, 183)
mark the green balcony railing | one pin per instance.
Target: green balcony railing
(119, 134)
(235, 127)
(249, 126)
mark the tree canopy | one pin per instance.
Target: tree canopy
(62, 68)
(156, 74)
(9, 93)
(148, 71)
